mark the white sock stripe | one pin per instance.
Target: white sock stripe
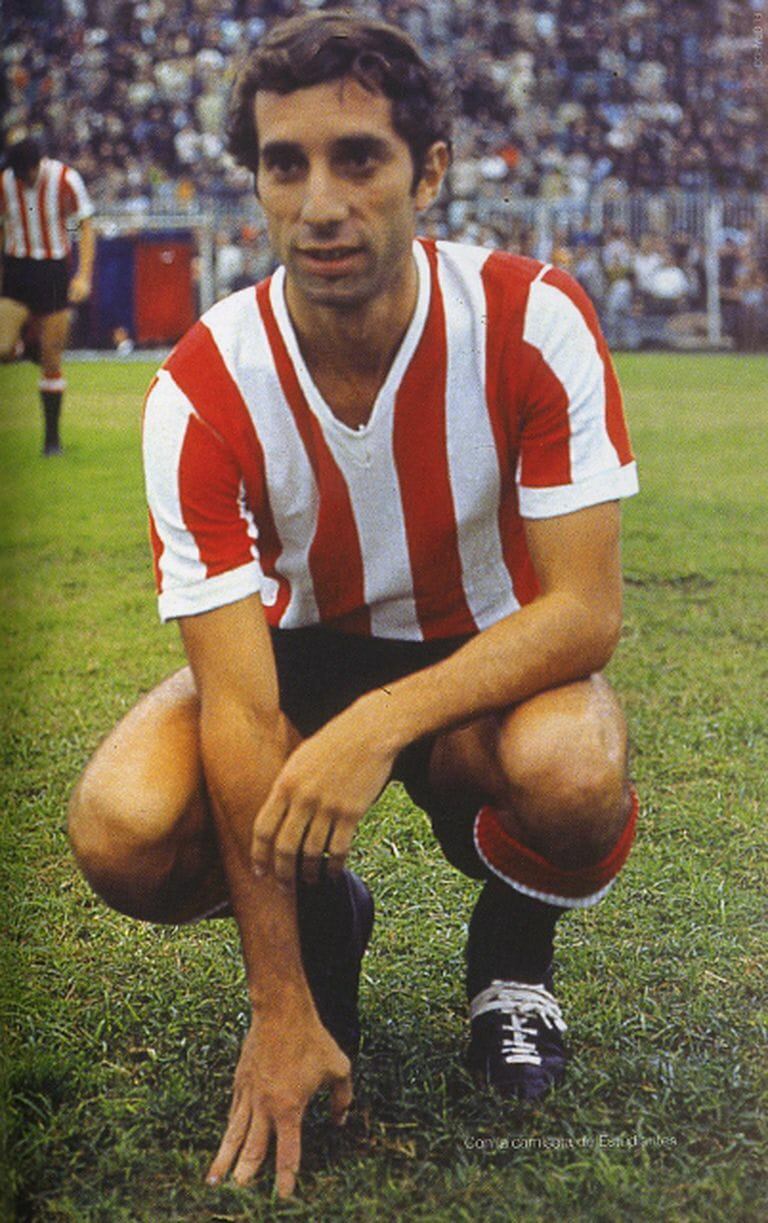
(52, 384)
(562, 902)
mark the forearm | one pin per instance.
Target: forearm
(557, 638)
(241, 760)
(86, 251)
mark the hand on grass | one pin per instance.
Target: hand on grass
(321, 794)
(273, 1085)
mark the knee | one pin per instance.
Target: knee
(50, 366)
(567, 786)
(99, 832)
(119, 852)
(90, 821)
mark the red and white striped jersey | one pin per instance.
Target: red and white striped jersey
(35, 218)
(501, 404)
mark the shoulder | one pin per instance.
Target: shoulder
(54, 170)
(558, 310)
(517, 298)
(503, 284)
(8, 183)
(225, 326)
(74, 188)
(223, 356)
(502, 269)
(540, 287)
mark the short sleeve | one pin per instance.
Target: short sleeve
(574, 445)
(202, 532)
(80, 201)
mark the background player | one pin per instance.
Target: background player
(38, 198)
(384, 506)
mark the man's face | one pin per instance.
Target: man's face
(335, 182)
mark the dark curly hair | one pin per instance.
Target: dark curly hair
(23, 155)
(327, 46)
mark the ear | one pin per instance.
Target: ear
(436, 161)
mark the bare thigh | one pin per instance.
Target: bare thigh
(139, 818)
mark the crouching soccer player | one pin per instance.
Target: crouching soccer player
(384, 490)
(38, 196)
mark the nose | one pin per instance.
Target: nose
(324, 201)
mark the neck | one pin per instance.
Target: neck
(349, 352)
(362, 339)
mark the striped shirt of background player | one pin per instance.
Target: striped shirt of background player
(35, 218)
(501, 401)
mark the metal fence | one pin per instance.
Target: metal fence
(674, 270)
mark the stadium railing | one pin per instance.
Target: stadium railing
(717, 233)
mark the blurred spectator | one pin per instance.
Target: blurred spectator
(587, 268)
(230, 260)
(648, 259)
(565, 101)
(618, 304)
(751, 323)
(669, 288)
(121, 340)
(645, 94)
(730, 292)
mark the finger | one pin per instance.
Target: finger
(312, 849)
(341, 1099)
(288, 1155)
(265, 828)
(288, 845)
(253, 1150)
(338, 848)
(230, 1145)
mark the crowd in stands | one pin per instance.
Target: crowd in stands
(556, 100)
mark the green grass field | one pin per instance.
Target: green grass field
(120, 1040)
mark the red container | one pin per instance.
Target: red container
(164, 299)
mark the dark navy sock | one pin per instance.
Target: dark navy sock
(511, 937)
(51, 412)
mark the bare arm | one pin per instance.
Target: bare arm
(287, 1054)
(567, 632)
(80, 285)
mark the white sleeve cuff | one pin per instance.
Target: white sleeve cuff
(566, 498)
(211, 592)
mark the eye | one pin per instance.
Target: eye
(358, 158)
(284, 164)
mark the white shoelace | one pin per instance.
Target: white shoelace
(518, 1002)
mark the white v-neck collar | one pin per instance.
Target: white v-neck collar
(384, 402)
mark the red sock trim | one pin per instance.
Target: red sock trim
(529, 872)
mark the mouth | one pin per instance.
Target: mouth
(330, 260)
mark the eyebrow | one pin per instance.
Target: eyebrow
(280, 148)
(343, 145)
(364, 142)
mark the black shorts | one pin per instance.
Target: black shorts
(321, 672)
(42, 285)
